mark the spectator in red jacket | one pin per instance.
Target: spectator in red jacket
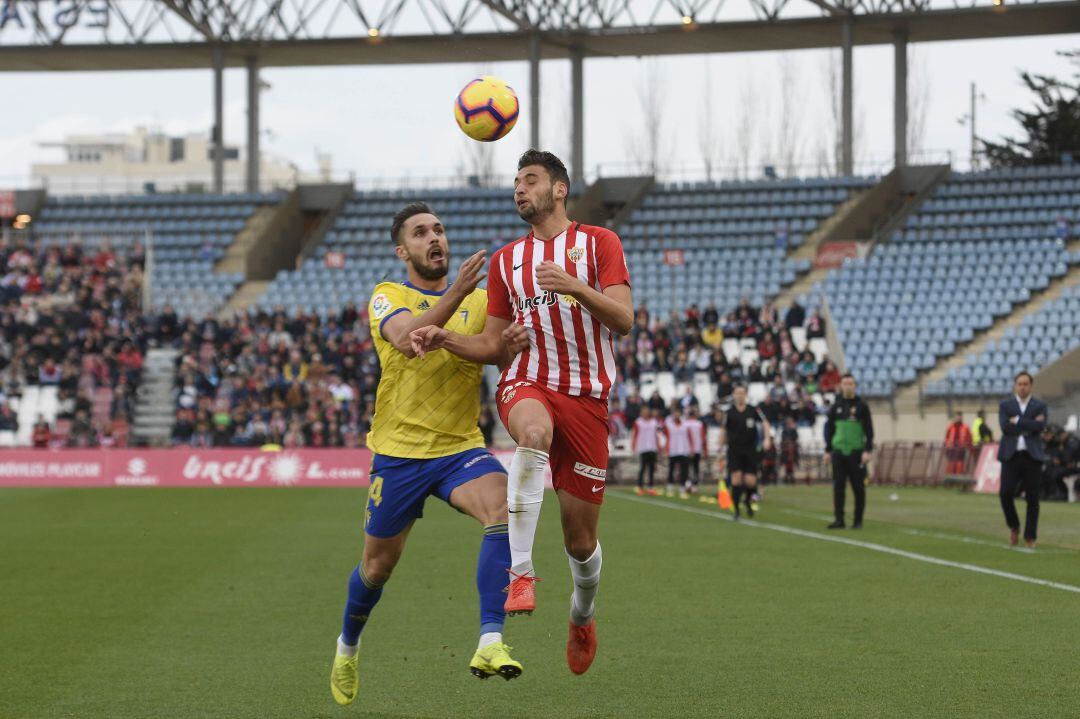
(41, 435)
(957, 445)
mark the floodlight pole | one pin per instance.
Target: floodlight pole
(534, 91)
(253, 124)
(900, 100)
(217, 135)
(847, 32)
(577, 103)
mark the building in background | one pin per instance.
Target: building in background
(151, 161)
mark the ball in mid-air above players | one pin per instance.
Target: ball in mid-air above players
(486, 109)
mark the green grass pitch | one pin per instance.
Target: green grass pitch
(170, 604)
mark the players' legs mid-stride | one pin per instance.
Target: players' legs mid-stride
(484, 499)
(579, 521)
(366, 582)
(529, 423)
(743, 485)
(393, 509)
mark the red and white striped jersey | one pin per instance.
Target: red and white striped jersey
(697, 435)
(570, 351)
(644, 435)
(677, 434)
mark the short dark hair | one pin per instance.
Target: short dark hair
(737, 385)
(554, 166)
(846, 375)
(409, 210)
(1023, 373)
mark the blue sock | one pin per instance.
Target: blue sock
(363, 596)
(491, 576)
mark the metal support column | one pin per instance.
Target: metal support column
(900, 101)
(847, 142)
(217, 134)
(253, 124)
(534, 92)
(577, 109)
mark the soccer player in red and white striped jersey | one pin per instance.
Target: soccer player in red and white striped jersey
(567, 285)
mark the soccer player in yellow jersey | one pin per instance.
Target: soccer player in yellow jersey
(425, 440)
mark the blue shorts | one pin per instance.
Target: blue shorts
(400, 486)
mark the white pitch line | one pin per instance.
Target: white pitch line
(983, 542)
(862, 545)
(938, 535)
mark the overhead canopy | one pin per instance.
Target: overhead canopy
(748, 36)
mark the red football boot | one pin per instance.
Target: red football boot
(521, 594)
(581, 647)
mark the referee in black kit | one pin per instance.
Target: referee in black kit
(849, 438)
(740, 432)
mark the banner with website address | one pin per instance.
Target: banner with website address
(184, 467)
(188, 467)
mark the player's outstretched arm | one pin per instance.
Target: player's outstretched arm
(397, 329)
(613, 307)
(499, 341)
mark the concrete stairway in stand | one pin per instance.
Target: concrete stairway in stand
(154, 403)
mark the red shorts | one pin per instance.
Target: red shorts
(579, 440)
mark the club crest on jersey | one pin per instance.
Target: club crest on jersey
(576, 254)
(380, 305)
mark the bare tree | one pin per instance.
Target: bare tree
(710, 135)
(833, 99)
(919, 86)
(746, 122)
(790, 117)
(647, 147)
(476, 164)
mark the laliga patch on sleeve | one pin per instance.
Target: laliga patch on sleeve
(380, 305)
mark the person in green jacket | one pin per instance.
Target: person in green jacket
(849, 439)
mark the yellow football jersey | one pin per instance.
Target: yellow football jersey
(429, 407)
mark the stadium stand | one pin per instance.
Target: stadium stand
(72, 339)
(1040, 339)
(734, 238)
(476, 219)
(259, 378)
(189, 234)
(950, 273)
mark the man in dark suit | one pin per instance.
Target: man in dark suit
(1021, 453)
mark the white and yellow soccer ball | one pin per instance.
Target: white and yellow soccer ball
(486, 109)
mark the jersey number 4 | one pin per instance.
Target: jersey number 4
(375, 491)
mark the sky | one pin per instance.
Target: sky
(380, 123)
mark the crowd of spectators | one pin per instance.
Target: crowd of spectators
(71, 318)
(691, 342)
(262, 378)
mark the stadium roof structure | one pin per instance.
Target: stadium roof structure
(102, 35)
(97, 35)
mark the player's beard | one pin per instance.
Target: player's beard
(430, 272)
(536, 212)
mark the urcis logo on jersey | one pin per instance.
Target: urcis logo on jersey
(576, 254)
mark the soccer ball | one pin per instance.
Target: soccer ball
(486, 109)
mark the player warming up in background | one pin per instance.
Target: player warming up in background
(425, 440)
(568, 285)
(740, 431)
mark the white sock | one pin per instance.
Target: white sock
(489, 638)
(586, 577)
(524, 497)
(347, 650)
